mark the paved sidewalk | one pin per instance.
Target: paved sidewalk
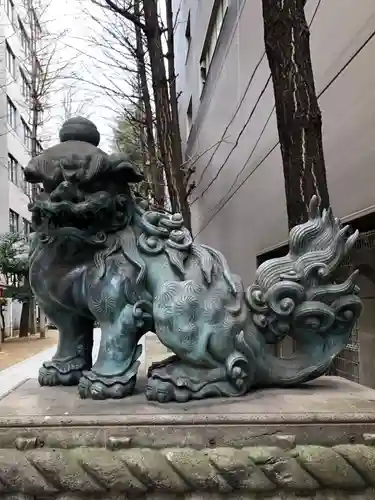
(14, 350)
(14, 375)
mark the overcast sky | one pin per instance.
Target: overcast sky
(86, 61)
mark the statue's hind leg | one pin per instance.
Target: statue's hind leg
(74, 350)
(114, 374)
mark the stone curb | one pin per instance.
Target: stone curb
(97, 472)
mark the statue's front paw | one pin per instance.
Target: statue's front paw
(61, 372)
(93, 386)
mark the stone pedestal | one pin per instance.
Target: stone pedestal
(313, 442)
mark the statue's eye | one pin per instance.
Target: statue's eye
(92, 187)
(49, 186)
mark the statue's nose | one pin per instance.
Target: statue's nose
(66, 191)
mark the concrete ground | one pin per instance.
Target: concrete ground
(153, 350)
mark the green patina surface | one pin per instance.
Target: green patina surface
(101, 255)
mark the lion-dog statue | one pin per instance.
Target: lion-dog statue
(99, 255)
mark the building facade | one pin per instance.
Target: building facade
(229, 131)
(15, 120)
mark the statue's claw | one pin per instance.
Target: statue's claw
(61, 372)
(165, 392)
(94, 386)
(175, 380)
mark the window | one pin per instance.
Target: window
(26, 87)
(12, 169)
(10, 61)
(28, 189)
(25, 41)
(26, 134)
(14, 221)
(188, 35)
(216, 23)
(22, 183)
(26, 227)
(189, 117)
(11, 113)
(9, 8)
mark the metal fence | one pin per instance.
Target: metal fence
(362, 257)
(346, 365)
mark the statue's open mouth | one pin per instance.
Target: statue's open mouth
(95, 212)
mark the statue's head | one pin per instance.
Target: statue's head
(83, 187)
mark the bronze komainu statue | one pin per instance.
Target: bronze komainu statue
(99, 254)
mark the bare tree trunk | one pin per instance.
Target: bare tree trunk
(156, 172)
(299, 121)
(35, 112)
(42, 325)
(34, 86)
(3, 326)
(161, 96)
(175, 125)
(32, 316)
(25, 317)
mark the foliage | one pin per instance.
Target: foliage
(129, 139)
(14, 265)
(14, 255)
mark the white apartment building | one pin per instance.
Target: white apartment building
(15, 130)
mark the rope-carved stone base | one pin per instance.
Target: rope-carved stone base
(246, 473)
(317, 442)
(323, 495)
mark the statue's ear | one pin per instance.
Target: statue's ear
(121, 166)
(32, 172)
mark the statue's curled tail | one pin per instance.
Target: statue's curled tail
(297, 296)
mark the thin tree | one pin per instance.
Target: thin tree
(73, 105)
(44, 66)
(147, 20)
(156, 173)
(129, 140)
(123, 65)
(299, 120)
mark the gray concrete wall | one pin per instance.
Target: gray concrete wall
(250, 217)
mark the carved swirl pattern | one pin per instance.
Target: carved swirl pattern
(162, 231)
(258, 470)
